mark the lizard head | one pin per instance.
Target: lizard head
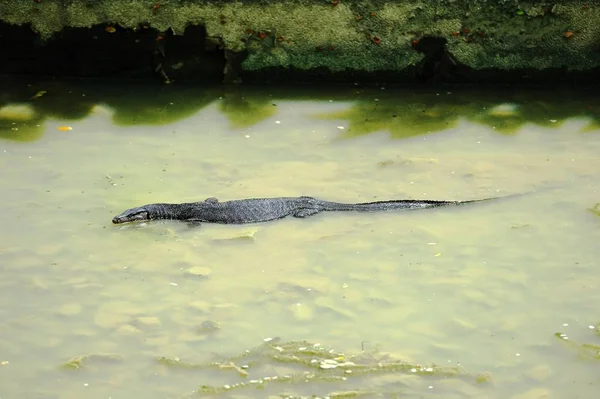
(140, 213)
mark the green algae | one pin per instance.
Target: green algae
(156, 106)
(402, 114)
(181, 364)
(400, 119)
(245, 111)
(12, 127)
(587, 351)
(483, 378)
(82, 361)
(433, 111)
(175, 362)
(366, 36)
(314, 363)
(595, 209)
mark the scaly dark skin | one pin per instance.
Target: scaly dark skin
(257, 210)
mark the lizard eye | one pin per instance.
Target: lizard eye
(131, 215)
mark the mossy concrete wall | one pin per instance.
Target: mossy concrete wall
(367, 35)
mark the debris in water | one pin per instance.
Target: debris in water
(78, 362)
(38, 94)
(318, 363)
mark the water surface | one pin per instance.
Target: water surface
(481, 290)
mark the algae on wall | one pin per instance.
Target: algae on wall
(366, 35)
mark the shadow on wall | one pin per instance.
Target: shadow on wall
(24, 107)
(106, 51)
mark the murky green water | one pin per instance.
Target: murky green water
(470, 298)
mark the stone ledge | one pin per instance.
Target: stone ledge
(432, 39)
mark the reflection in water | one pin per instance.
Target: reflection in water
(246, 112)
(403, 114)
(20, 121)
(161, 309)
(430, 111)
